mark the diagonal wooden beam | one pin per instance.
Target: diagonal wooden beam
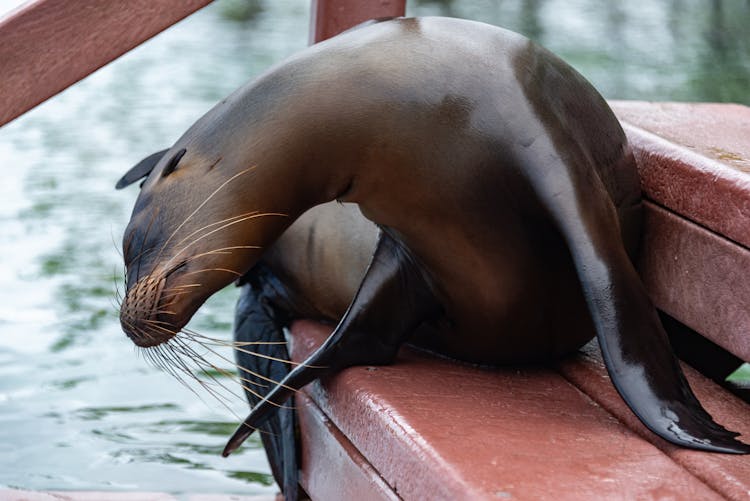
(48, 45)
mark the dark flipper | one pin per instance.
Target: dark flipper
(256, 320)
(140, 170)
(393, 299)
(634, 344)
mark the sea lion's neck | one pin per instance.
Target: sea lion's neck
(301, 146)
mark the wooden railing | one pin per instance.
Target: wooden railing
(48, 45)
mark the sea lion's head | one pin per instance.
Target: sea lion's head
(191, 233)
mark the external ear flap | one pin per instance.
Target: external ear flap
(140, 170)
(172, 164)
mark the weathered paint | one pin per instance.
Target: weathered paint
(440, 430)
(694, 163)
(48, 45)
(694, 159)
(330, 17)
(697, 277)
(332, 468)
(727, 474)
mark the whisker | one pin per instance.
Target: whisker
(223, 250)
(218, 396)
(214, 269)
(226, 225)
(222, 221)
(235, 364)
(201, 361)
(260, 376)
(173, 358)
(261, 355)
(224, 342)
(208, 198)
(136, 330)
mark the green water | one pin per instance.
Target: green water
(79, 408)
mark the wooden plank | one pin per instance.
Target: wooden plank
(332, 468)
(330, 17)
(697, 277)
(727, 474)
(440, 430)
(694, 159)
(22, 495)
(48, 45)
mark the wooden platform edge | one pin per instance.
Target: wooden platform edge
(727, 474)
(696, 276)
(694, 164)
(452, 431)
(694, 160)
(331, 466)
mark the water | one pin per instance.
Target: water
(79, 409)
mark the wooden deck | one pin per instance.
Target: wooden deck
(427, 428)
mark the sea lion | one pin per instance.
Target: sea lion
(505, 198)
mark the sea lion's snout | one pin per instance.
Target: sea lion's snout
(143, 314)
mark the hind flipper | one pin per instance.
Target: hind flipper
(634, 345)
(258, 321)
(392, 300)
(641, 363)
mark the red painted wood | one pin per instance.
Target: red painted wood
(49, 45)
(330, 17)
(332, 468)
(698, 277)
(439, 430)
(694, 159)
(727, 474)
(21, 495)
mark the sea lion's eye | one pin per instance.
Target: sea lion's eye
(172, 164)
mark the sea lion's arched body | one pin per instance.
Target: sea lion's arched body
(502, 185)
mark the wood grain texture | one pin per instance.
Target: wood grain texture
(332, 468)
(49, 45)
(727, 474)
(698, 277)
(694, 163)
(330, 17)
(694, 159)
(435, 429)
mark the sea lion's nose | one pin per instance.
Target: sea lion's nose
(142, 313)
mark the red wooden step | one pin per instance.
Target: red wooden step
(435, 429)
(694, 163)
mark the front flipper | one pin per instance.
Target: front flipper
(392, 300)
(634, 344)
(260, 355)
